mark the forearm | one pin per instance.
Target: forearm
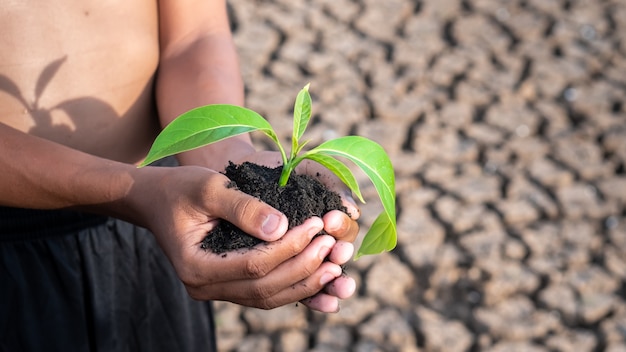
(205, 71)
(40, 174)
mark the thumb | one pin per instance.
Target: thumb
(252, 215)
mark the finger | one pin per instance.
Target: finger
(284, 276)
(340, 226)
(244, 211)
(342, 287)
(295, 279)
(327, 301)
(322, 302)
(208, 268)
(297, 269)
(296, 292)
(341, 253)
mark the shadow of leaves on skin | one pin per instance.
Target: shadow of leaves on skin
(45, 77)
(74, 108)
(6, 85)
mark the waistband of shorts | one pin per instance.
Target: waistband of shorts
(17, 224)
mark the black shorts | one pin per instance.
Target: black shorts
(71, 281)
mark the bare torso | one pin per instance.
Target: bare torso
(80, 73)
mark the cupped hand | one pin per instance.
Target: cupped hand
(343, 227)
(181, 205)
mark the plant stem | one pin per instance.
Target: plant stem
(284, 175)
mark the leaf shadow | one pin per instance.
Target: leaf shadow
(75, 108)
(46, 76)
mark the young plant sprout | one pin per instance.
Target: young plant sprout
(208, 124)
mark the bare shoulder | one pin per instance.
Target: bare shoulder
(80, 73)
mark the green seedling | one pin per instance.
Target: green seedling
(209, 124)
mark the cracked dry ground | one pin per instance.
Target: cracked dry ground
(506, 124)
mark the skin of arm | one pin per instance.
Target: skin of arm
(198, 66)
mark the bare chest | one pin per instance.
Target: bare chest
(80, 73)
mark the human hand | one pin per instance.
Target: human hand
(289, 268)
(343, 227)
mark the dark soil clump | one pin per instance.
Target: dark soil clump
(303, 197)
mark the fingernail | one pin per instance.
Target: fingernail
(270, 224)
(326, 278)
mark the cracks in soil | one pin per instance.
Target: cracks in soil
(275, 54)
(525, 74)
(514, 40)
(448, 34)
(408, 145)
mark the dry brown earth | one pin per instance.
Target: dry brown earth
(506, 123)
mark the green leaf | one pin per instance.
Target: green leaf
(374, 161)
(377, 239)
(301, 117)
(339, 169)
(205, 125)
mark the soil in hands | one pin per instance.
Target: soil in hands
(303, 197)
